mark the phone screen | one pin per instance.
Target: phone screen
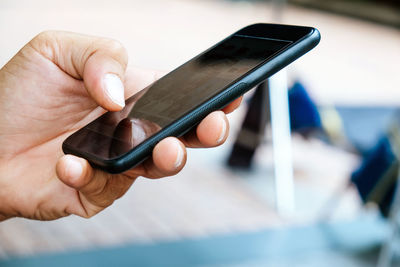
(174, 95)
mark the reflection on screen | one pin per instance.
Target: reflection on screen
(174, 95)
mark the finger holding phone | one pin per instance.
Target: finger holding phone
(55, 85)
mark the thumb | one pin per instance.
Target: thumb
(99, 62)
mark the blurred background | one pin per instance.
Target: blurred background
(221, 210)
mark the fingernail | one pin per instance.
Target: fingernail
(114, 89)
(223, 131)
(74, 168)
(179, 156)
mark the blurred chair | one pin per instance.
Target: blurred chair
(377, 181)
(269, 104)
(272, 103)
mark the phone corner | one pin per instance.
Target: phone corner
(316, 35)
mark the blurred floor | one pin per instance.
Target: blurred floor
(347, 244)
(355, 64)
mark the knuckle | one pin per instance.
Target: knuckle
(113, 46)
(44, 36)
(117, 49)
(45, 43)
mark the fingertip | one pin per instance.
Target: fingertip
(114, 89)
(71, 170)
(223, 133)
(233, 105)
(104, 80)
(213, 130)
(169, 155)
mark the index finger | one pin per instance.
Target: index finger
(233, 105)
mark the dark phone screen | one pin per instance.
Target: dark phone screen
(173, 96)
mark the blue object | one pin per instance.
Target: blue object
(303, 111)
(376, 177)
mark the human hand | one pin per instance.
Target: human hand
(55, 85)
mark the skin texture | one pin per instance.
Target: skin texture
(52, 87)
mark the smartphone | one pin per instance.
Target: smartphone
(171, 106)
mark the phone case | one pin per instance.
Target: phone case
(305, 38)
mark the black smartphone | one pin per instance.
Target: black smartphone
(118, 141)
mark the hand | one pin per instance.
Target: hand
(55, 85)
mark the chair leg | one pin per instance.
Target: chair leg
(252, 131)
